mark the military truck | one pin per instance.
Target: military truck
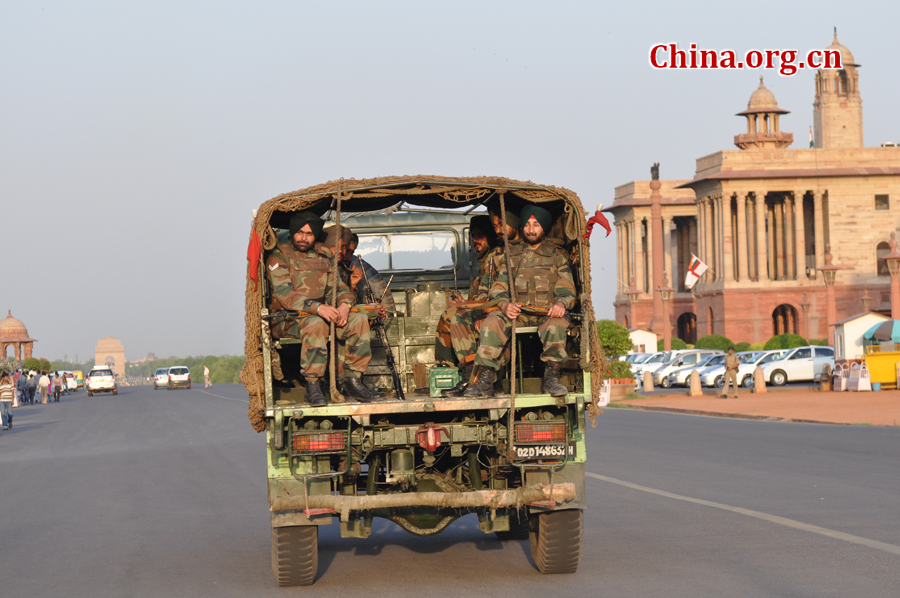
(514, 459)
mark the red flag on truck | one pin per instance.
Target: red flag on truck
(254, 250)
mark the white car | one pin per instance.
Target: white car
(160, 378)
(101, 379)
(802, 364)
(179, 375)
(746, 369)
(682, 377)
(648, 365)
(715, 376)
(71, 380)
(679, 360)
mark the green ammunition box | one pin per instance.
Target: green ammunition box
(442, 378)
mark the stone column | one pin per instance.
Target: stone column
(770, 242)
(638, 254)
(742, 239)
(790, 237)
(667, 246)
(727, 238)
(658, 254)
(819, 228)
(708, 237)
(619, 270)
(800, 227)
(778, 209)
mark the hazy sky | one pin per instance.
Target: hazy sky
(135, 138)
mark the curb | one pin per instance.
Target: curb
(772, 418)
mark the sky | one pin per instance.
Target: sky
(136, 137)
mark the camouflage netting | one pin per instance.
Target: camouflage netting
(382, 195)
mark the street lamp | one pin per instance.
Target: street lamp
(633, 296)
(665, 293)
(829, 271)
(805, 307)
(893, 263)
(866, 300)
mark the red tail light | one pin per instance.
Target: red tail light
(327, 442)
(541, 432)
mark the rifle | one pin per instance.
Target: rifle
(378, 326)
(370, 309)
(542, 311)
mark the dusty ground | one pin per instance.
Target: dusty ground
(862, 408)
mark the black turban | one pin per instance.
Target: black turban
(542, 216)
(300, 219)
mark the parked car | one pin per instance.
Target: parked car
(681, 377)
(801, 364)
(636, 357)
(160, 378)
(715, 376)
(746, 369)
(678, 360)
(101, 379)
(179, 375)
(713, 371)
(650, 364)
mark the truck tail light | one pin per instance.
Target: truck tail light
(541, 432)
(320, 442)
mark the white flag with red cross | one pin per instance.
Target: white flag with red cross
(695, 270)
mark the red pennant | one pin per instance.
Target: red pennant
(597, 218)
(254, 250)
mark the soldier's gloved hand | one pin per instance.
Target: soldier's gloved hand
(513, 311)
(343, 315)
(558, 310)
(328, 313)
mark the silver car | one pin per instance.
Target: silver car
(682, 376)
(715, 376)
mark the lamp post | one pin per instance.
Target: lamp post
(633, 296)
(805, 307)
(665, 293)
(866, 300)
(893, 264)
(829, 271)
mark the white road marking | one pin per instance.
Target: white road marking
(221, 397)
(758, 515)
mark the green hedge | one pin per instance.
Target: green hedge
(677, 343)
(741, 347)
(714, 341)
(785, 341)
(757, 347)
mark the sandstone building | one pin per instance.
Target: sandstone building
(762, 216)
(109, 351)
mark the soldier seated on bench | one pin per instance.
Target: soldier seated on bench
(542, 277)
(299, 273)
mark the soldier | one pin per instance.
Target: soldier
(300, 275)
(542, 277)
(457, 331)
(372, 276)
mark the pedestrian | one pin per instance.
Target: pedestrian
(206, 377)
(31, 388)
(732, 362)
(7, 394)
(20, 389)
(44, 383)
(57, 386)
(65, 383)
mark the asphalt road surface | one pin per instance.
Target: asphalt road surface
(158, 493)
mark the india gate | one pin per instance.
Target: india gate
(766, 218)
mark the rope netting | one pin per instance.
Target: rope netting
(448, 190)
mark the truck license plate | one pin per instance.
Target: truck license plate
(544, 451)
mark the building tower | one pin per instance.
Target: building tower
(837, 110)
(763, 129)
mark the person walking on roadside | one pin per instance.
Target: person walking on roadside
(57, 386)
(207, 383)
(30, 388)
(65, 384)
(7, 393)
(44, 383)
(20, 388)
(732, 362)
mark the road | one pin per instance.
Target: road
(157, 493)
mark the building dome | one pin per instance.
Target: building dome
(846, 57)
(762, 100)
(12, 329)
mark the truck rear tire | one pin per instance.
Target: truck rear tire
(556, 541)
(295, 555)
(518, 526)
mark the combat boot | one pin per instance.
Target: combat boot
(314, 394)
(483, 384)
(551, 384)
(354, 387)
(465, 372)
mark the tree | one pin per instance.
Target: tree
(714, 341)
(32, 363)
(615, 341)
(785, 341)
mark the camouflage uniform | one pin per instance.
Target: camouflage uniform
(456, 336)
(379, 287)
(301, 281)
(542, 278)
